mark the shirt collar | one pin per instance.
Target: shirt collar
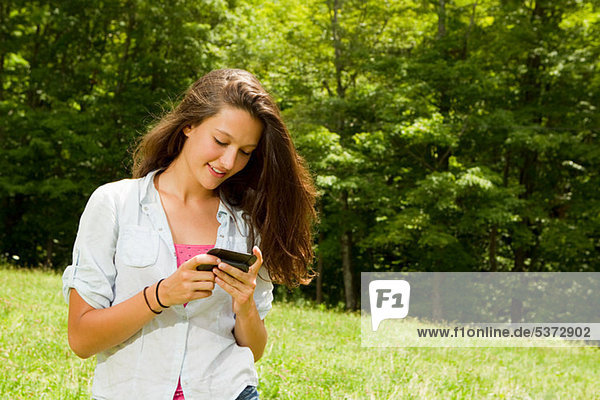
(148, 192)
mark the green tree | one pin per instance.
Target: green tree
(78, 82)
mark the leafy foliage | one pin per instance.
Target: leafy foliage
(443, 135)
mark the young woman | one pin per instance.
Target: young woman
(220, 170)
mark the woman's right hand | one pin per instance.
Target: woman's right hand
(187, 284)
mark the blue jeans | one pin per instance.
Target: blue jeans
(250, 393)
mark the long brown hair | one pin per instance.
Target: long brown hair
(275, 190)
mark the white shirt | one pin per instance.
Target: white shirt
(124, 244)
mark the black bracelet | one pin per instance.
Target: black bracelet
(157, 299)
(148, 303)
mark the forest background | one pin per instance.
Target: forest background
(443, 135)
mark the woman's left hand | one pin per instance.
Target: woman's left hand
(239, 284)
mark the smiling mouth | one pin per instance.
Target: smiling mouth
(216, 172)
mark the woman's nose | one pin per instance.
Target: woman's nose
(228, 158)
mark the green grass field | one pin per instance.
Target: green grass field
(312, 353)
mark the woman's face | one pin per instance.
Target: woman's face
(221, 145)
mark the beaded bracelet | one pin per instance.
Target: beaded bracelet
(148, 303)
(157, 299)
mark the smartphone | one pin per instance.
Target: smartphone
(241, 261)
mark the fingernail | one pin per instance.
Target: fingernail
(218, 260)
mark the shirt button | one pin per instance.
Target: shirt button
(145, 208)
(160, 229)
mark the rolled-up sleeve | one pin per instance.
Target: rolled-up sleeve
(92, 272)
(263, 293)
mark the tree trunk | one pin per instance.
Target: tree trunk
(441, 19)
(465, 49)
(516, 311)
(346, 250)
(337, 50)
(347, 270)
(520, 257)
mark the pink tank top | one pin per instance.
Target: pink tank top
(185, 252)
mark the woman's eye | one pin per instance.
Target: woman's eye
(223, 144)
